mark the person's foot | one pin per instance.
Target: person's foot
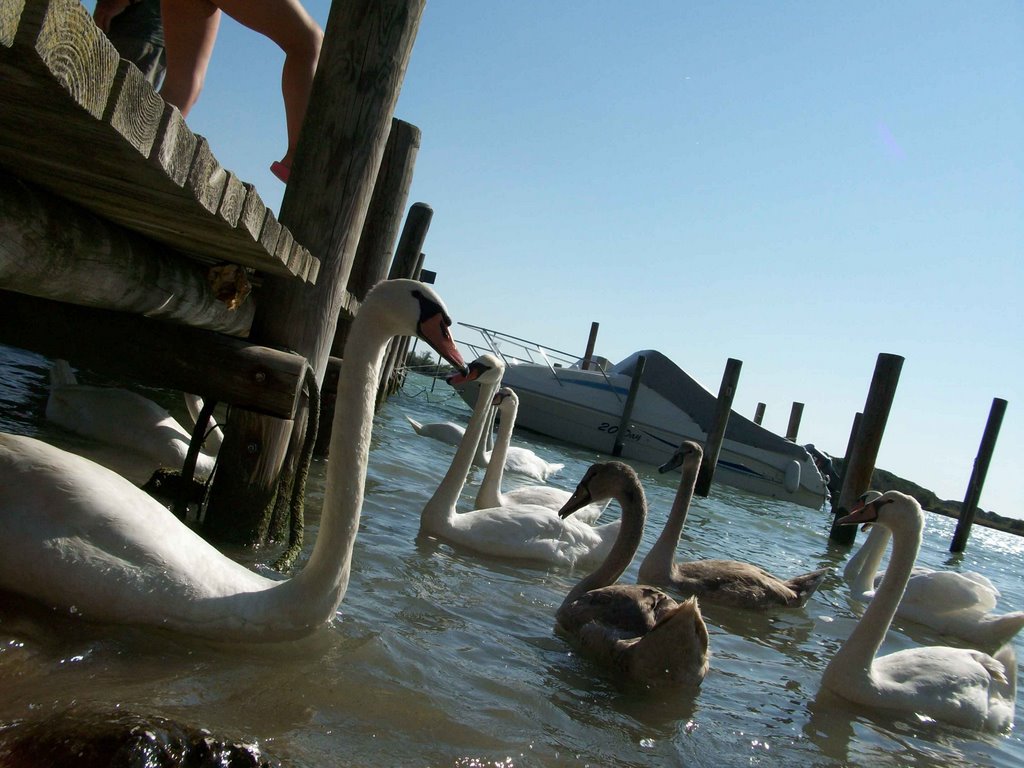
(281, 170)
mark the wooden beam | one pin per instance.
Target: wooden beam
(156, 353)
(53, 249)
(367, 46)
(86, 125)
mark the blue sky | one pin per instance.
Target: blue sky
(798, 185)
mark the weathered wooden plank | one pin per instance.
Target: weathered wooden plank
(156, 353)
(54, 249)
(134, 109)
(78, 124)
(10, 18)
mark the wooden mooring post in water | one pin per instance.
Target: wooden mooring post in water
(796, 413)
(713, 445)
(860, 462)
(366, 50)
(759, 413)
(627, 409)
(591, 342)
(977, 481)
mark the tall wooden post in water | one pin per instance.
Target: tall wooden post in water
(713, 446)
(860, 462)
(977, 481)
(366, 50)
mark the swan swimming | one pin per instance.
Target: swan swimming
(134, 435)
(521, 531)
(638, 631)
(958, 604)
(77, 536)
(959, 686)
(506, 405)
(727, 582)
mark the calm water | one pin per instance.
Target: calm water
(443, 658)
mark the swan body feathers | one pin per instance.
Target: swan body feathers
(958, 686)
(638, 631)
(79, 537)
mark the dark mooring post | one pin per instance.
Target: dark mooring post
(713, 446)
(627, 410)
(366, 50)
(795, 414)
(394, 358)
(977, 481)
(836, 488)
(591, 341)
(759, 413)
(860, 462)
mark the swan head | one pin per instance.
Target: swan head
(892, 509)
(688, 452)
(505, 400)
(486, 369)
(409, 307)
(608, 480)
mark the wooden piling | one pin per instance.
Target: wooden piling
(627, 410)
(977, 481)
(394, 358)
(851, 442)
(713, 446)
(795, 414)
(591, 342)
(366, 50)
(759, 413)
(860, 462)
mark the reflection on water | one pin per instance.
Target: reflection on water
(438, 657)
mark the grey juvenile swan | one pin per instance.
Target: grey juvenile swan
(726, 582)
(638, 631)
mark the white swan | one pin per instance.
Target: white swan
(522, 531)
(727, 582)
(958, 686)
(958, 604)
(638, 631)
(214, 434)
(134, 436)
(506, 404)
(77, 536)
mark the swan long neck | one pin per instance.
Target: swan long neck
(634, 515)
(861, 569)
(860, 648)
(663, 552)
(489, 494)
(324, 580)
(441, 506)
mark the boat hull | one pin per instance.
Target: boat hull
(584, 408)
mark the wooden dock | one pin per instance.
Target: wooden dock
(114, 216)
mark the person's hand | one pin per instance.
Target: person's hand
(107, 10)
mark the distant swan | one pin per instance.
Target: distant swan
(958, 604)
(959, 686)
(521, 531)
(727, 582)
(638, 631)
(506, 403)
(76, 536)
(134, 436)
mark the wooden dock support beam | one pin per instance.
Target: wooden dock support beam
(977, 481)
(366, 50)
(860, 462)
(713, 446)
(627, 410)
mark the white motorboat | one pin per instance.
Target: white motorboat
(580, 403)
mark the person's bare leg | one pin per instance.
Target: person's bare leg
(190, 30)
(287, 23)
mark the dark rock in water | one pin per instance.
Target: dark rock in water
(77, 739)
